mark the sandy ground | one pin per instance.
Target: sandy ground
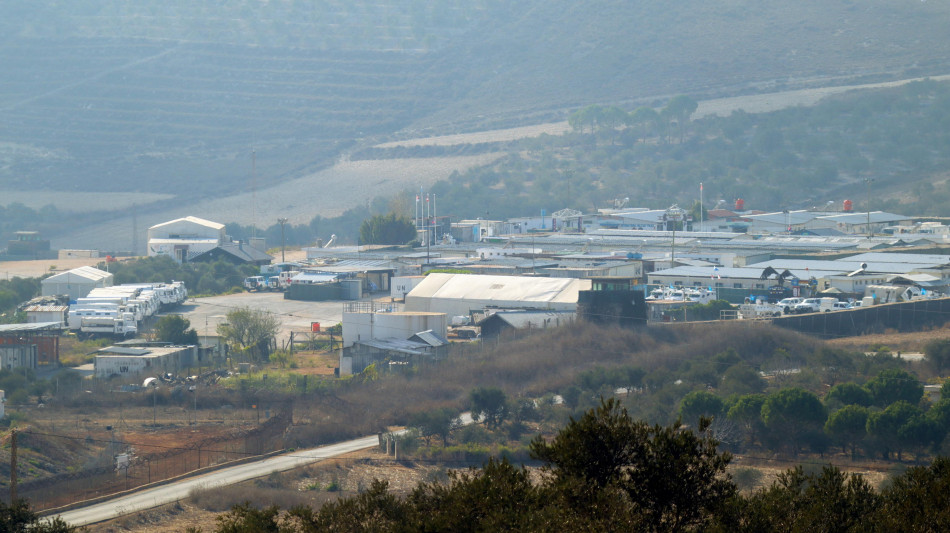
(326, 193)
(35, 269)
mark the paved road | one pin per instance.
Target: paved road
(172, 492)
(165, 494)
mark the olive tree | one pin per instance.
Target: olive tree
(250, 331)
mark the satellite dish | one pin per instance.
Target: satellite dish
(864, 267)
(153, 382)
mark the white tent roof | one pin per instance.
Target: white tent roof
(76, 275)
(194, 220)
(527, 290)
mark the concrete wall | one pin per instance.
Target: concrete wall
(918, 315)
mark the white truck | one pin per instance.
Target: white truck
(788, 303)
(827, 304)
(759, 309)
(123, 325)
(808, 305)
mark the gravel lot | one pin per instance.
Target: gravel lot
(206, 313)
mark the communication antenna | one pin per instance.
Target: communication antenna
(135, 230)
(253, 193)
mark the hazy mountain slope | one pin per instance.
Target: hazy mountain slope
(172, 97)
(560, 54)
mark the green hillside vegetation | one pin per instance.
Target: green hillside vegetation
(795, 158)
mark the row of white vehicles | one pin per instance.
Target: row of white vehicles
(696, 295)
(793, 306)
(279, 282)
(118, 310)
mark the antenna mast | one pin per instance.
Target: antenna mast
(253, 193)
(135, 231)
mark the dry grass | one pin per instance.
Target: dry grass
(531, 365)
(904, 342)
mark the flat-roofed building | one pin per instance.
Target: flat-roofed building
(127, 361)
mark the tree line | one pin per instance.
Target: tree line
(606, 471)
(658, 156)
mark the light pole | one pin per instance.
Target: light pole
(868, 181)
(673, 214)
(282, 221)
(701, 227)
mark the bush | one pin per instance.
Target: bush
(747, 478)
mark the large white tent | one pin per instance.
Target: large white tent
(184, 238)
(457, 294)
(76, 282)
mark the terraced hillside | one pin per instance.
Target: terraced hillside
(146, 116)
(173, 96)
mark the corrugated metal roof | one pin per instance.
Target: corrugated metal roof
(888, 257)
(430, 337)
(45, 308)
(525, 319)
(33, 326)
(383, 263)
(792, 217)
(312, 277)
(925, 280)
(841, 265)
(396, 345)
(877, 217)
(244, 252)
(737, 272)
(119, 350)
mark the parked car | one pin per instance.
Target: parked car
(788, 303)
(841, 306)
(808, 305)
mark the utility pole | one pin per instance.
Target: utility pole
(282, 221)
(701, 227)
(12, 467)
(253, 193)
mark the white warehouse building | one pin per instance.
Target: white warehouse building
(184, 238)
(458, 294)
(76, 283)
(365, 326)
